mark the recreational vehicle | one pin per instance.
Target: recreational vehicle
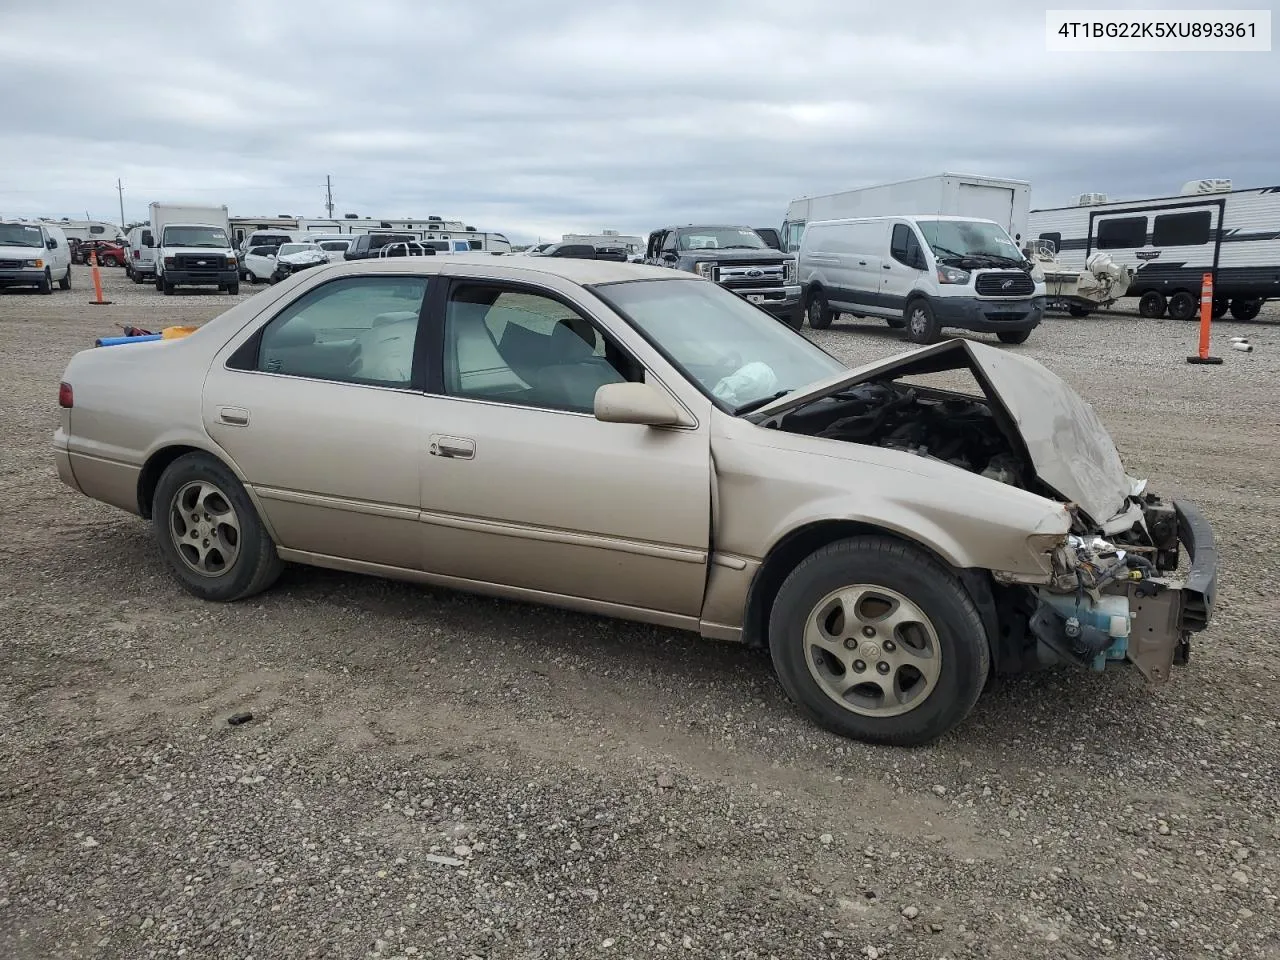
(1171, 242)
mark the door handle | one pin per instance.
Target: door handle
(234, 416)
(862, 263)
(454, 448)
(887, 266)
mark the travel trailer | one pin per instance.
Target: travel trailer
(1171, 242)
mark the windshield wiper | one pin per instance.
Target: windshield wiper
(947, 252)
(757, 404)
(741, 246)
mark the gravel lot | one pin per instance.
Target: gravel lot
(433, 775)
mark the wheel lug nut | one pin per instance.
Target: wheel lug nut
(850, 643)
(859, 666)
(868, 631)
(882, 667)
(890, 646)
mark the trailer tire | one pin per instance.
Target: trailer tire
(1078, 311)
(1183, 306)
(1245, 309)
(1152, 305)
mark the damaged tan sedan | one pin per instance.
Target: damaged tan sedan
(637, 443)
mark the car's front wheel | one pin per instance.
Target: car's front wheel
(209, 531)
(877, 641)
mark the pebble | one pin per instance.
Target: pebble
(826, 839)
(666, 781)
(910, 912)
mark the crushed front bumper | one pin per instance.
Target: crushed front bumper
(1167, 612)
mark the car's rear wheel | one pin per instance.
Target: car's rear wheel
(109, 261)
(877, 641)
(209, 531)
(818, 312)
(137, 277)
(64, 282)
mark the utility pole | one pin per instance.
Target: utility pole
(120, 190)
(328, 193)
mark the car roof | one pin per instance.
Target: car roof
(582, 272)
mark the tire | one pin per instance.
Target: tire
(213, 563)
(922, 326)
(818, 312)
(167, 288)
(1183, 306)
(137, 277)
(1078, 311)
(1013, 336)
(946, 626)
(1152, 305)
(110, 261)
(45, 286)
(1245, 309)
(64, 282)
(1220, 305)
(233, 289)
(159, 283)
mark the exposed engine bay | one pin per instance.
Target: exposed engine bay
(1109, 596)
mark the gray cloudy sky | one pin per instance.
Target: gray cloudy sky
(545, 116)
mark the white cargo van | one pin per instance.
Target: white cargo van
(193, 247)
(921, 273)
(34, 254)
(141, 257)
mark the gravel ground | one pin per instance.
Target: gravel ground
(433, 775)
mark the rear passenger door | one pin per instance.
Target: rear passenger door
(319, 407)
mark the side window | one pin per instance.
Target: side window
(1181, 229)
(148, 240)
(669, 242)
(1055, 239)
(97, 230)
(1124, 233)
(526, 348)
(795, 233)
(903, 245)
(354, 330)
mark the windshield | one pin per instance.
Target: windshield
(952, 239)
(287, 248)
(195, 237)
(738, 354)
(20, 235)
(721, 238)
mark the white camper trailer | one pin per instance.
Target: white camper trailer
(948, 194)
(1171, 242)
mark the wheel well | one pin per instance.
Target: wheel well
(151, 473)
(810, 290)
(787, 554)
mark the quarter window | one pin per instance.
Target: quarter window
(1181, 229)
(526, 348)
(1124, 233)
(356, 330)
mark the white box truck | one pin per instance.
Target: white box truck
(1007, 202)
(193, 247)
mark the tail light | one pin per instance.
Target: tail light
(137, 254)
(66, 397)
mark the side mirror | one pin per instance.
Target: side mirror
(635, 403)
(51, 243)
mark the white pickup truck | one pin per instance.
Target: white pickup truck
(194, 248)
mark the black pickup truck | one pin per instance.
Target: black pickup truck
(737, 259)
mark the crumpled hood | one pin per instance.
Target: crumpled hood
(1070, 449)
